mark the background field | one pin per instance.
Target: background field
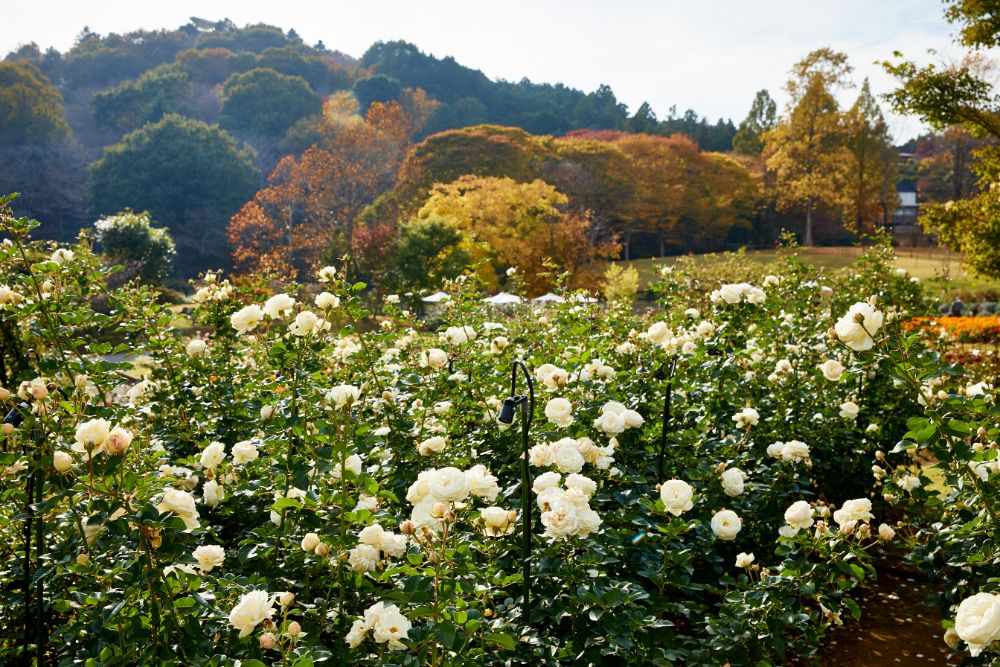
(938, 267)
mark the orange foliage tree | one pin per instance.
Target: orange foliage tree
(307, 211)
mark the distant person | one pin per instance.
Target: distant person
(956, 307)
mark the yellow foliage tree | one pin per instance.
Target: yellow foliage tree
(520, 225)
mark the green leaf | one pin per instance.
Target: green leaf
(501, 639)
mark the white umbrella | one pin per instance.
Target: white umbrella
(502, 299)
(437, 297)
(549, 298)
(583, 298)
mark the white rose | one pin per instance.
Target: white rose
(459, 335)
(209, 556)
(746, 418)
(391, 627)
(244, 452)
(213, 455)
(732, 293)
(343, 396)
(566, 456)
(885, 532)
(433, 445)
(832, 369)
(909, 483)
(182, 504)
(611, 423)
(856, 334)
(496, 520)
(196, 347)
(794, 451)
(799, 515)
(357, 634)
(325, 300)
(561, 520)
(246, 319)
(212, 493)
(547, 480)
(584, 485)
(435, 358)
(252, 609)
(658, 333)
(118, 440)
(310, 541)
(363, 558)
(726, 524)
(744, 560)
(977, 621)
(304, 324)
(852, 511)
(91, 436)
(849, 410)
(482, 483)
(559, 411)
(278, 305)
(448, 485)
(676, 496)
(62, 461)
(732, 481)
(372, 535)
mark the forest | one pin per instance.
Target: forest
(256, 151)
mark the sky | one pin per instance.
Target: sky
(708, 55)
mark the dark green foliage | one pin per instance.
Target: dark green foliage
(264, 102)
(189, 175)
(429, 252)
(31, 109)
(378, 88)
(749, 138)
(165, 89)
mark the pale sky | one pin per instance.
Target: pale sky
(708, 55)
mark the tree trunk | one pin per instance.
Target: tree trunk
(662, 249)
(628, 242)
(807, 236)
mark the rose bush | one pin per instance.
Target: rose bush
(336, 487)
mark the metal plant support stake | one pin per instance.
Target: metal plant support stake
(666, 415)
(33, 493)
(527, 404)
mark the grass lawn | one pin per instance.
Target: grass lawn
(938, 267)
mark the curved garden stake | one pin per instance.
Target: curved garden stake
(669, 377)
(506, 416)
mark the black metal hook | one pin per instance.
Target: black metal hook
(507, 411)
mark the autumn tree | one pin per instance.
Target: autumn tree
(661, 166)
(308, 210)
(962, 93)
(749, 138)
(807, 150)
(871, 174)
(516, 224)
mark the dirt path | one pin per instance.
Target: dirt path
(897, 627)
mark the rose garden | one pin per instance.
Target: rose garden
(308, 477)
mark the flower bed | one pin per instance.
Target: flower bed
(982, 329)
(692, 486)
